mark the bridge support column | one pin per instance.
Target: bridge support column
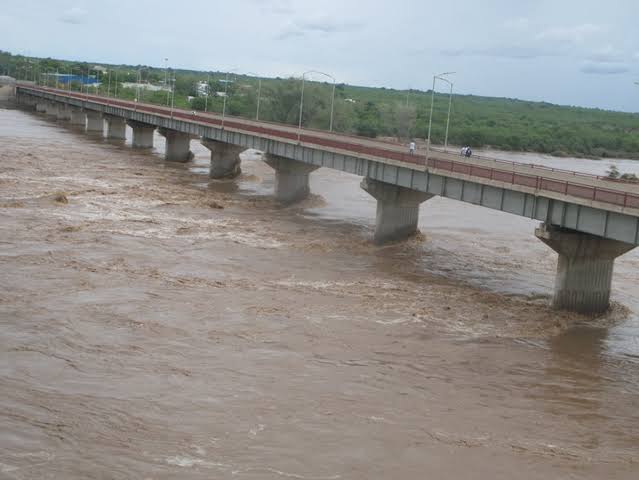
(116, 127)
(64, 113)
(41, 107)
(225, 159)
(51, 109)
(291, 178)
(95, 122)
(397, 209)
(78, 117)
(178, 145)
(142, 134)
(584, 269)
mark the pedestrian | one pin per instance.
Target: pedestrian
(463, 151)
(469, 152)
(411, 147)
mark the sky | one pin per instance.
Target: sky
(570, 52)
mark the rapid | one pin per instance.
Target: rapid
(158, 324)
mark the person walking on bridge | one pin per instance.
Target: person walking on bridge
(411, 147)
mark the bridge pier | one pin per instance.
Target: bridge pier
(51, 109)
(142, 134)
(78, 117)
(178, 145)
(95, 122)
(116, 127)
(64, 113)
(41, 107)
(291, 178)
(225, 159)
(584, 269)
(397, 209)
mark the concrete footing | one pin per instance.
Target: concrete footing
(584, 269)
(178, 145)
(142, 134)
(78, 117)
(397, 209)
(95, 122)
(225, 159)
(291, 178)
(115, 127)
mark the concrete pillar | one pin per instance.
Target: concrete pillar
(225, 158)
(291, 178)
(95, 123)
(142, 134)
(584, 269)
(41, 107)
(78, 117)
(51, 109)
(64, 113)
(178, 145)
(116, 127)
(397, 209)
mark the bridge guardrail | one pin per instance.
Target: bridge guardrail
(538, 182)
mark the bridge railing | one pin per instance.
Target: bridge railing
(341, 142)
(615, 197)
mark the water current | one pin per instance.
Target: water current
(157, 324)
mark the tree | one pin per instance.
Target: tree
(613, 172)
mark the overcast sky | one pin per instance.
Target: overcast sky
(576, 52)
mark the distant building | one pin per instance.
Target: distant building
(66, 78)
(146, 86)
(202, 89)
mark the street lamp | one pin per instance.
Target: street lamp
(432, 100)
(208, 92)
(226, 87)
(173, 95)
(166, 77)
(299, 126)
(259, 93)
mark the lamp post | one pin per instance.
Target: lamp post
(432, 101)
(166, 77)
(299, 126)
(226, 87)
(173, 95)
(259, 94)
(208, 92)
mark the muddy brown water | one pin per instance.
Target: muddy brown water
(147, 333)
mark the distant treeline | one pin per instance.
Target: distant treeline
(500, 123)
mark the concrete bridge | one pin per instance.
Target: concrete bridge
(587, 220)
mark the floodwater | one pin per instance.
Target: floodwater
(159, 325)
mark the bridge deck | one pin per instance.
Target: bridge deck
(581, 202)
(571, 183)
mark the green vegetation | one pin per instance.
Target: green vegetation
(500, 123)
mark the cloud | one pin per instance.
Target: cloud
(519, 23)
(322, 25)
(515, 52)
(275, 7)
(605, 55)
(575, 34)
(74, 16)
(604, 68)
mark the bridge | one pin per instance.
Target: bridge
(588, 220)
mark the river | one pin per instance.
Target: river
(157, 324)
